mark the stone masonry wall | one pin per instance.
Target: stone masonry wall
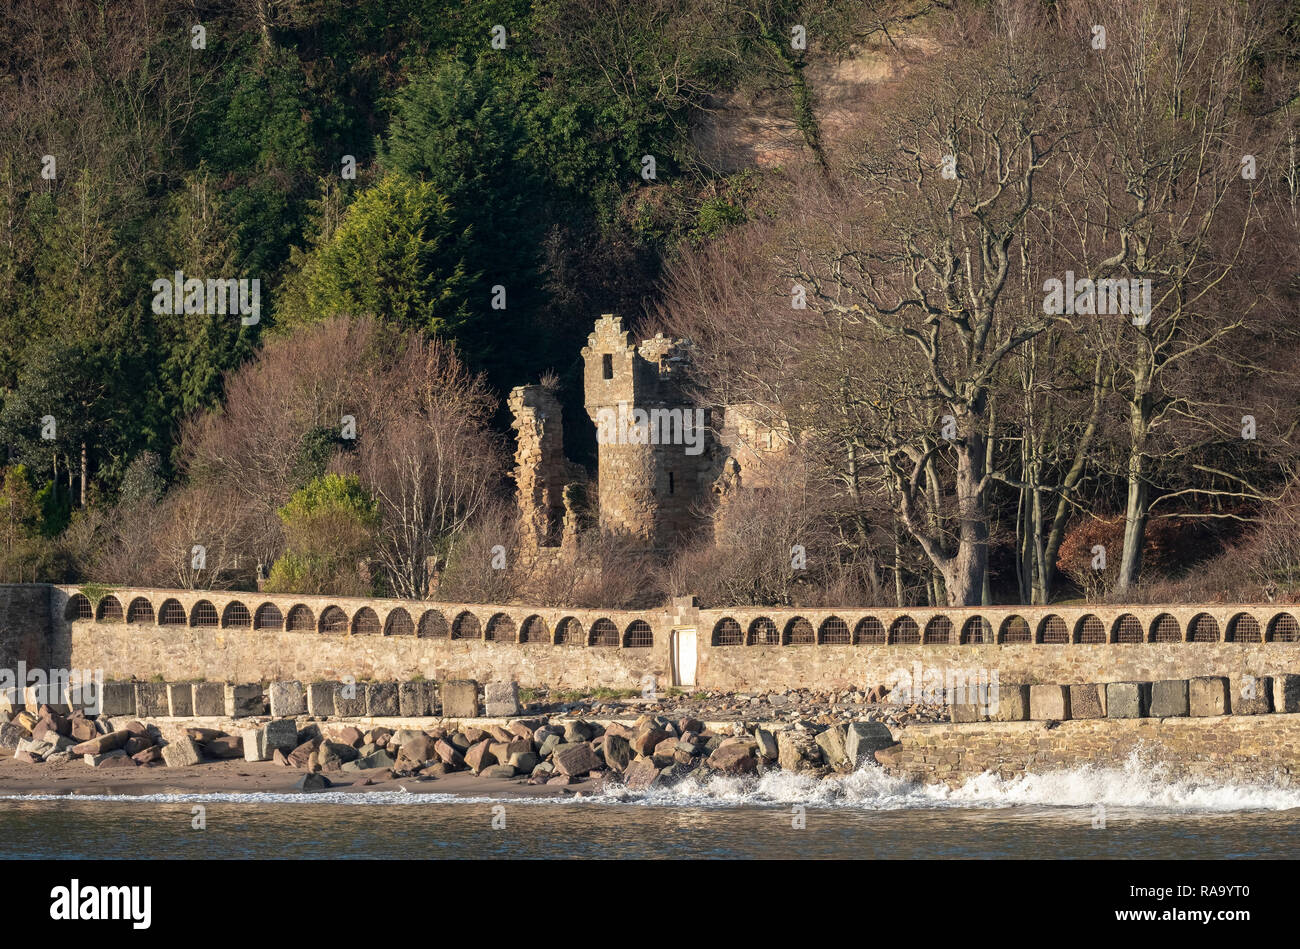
(25, 630)
(249, 636)
(1245, 749)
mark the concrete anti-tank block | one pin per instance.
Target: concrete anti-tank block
(1127, 699)
(381, 699)
(1086, 701)
(1251, 695)
(180, 699)
(1286, 693)
(1009, 704)
(1169, 698)
(208, 698)
(320, 698)
(350, 700)
(287, 698)
(1049, 703)
(243, 701)
(1207, 696)
(151, 700)
(460, 698)
(117, 698)
(413, 698)
(501, 699)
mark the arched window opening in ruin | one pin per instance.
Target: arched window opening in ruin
(1283, 628)
(870, 632)
(1128, 629)
(1054, 632)
(534, 630)
(727, 632)
(799, 632)
(834, 632)
(205, 614)
(638, 635)
(171, 614)
(1090, 631)
(1203, 629)
(500, 629)
(366, 623)
(1243, 628)
(109, 610)
(78, 608)
(268, 616)
(236, 616)
(569, 632)
(763, 632)
(607, 366)
(399, 623)
(301, 620)
(333, 621)
(140, 611)
(433, 625)
(1015, 629)
(976, 631)
(1165, 629)
(466, 626)
(938, 630)
(604, 633)
(904, 632)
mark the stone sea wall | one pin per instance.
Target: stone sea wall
(193, 634)
(1248, 749)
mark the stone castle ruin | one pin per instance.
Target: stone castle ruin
(660, 455)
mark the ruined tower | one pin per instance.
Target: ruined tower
(652, 442)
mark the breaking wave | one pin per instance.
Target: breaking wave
(1134, 785)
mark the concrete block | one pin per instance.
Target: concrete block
(117, 698)
(350, 700)
(1169, 698)
(1207, 696)
(151, 700)
(287, 698)
(1086, 701)
(208, 698)
(459, 698)
(180, 699)
(1049, 703)
(1286, 693)
(501, 699)
(381, 699)
(243, 701)
(282, 734)
(1251, 695)
(864, 739)
(320, 698)
(180, 753)
(254, 741)
(1010, 704)
(260, 744)
(1128, 699)
(413, 698)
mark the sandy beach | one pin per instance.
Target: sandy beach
(248, 777)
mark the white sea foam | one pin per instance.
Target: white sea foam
(1135, 785)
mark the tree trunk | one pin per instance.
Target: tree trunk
(1138, 505)
(963, 573)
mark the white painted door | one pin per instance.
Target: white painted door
(684, 656)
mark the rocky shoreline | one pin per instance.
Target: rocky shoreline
(545, 751)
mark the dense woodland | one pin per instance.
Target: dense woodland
(852, 208)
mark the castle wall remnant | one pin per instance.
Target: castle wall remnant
(655, 457)
(661, 456)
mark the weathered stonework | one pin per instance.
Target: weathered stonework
(1242, 750)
